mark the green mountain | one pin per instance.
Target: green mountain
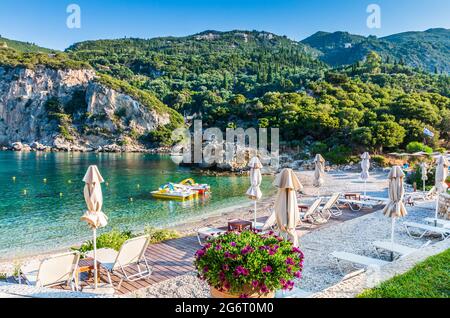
(215, 65)
(369, 101)
(428, 50)
(25, 47)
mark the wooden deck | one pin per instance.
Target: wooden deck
(169, 259)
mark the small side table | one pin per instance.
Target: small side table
(303, 207)
(353, 196)
(86, 265)
(239, 225)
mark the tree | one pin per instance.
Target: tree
(373, 63)
(387, 134)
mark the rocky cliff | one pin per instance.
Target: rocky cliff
(70, 110)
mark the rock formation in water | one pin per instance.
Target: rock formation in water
(44, 108)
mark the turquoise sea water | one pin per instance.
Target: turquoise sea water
(39, 216)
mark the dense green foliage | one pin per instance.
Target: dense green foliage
(416, 146)
(428, 279)
(14, 58)
(112, 239)
(24, 47)
(160, 235)
(255, 79)
(428, 50)
(258, 79)
(244, 263)
(115, 238)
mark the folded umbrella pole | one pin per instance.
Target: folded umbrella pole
(94, 201)
(319, 172)
(365, 166)
(395, 208)
(286, 207)
(442, 165)
(254, 192)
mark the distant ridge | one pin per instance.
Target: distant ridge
(428, 50)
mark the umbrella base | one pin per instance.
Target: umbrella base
(102, 289)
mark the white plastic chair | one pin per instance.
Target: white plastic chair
(331, 207)
(311, 215)
(132, 252)
(55, 270)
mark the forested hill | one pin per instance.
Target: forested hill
(428, 50)
(249, 63)
(25, 47)
(258, 79)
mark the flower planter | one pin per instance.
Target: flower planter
(215, 293)
(248, 264)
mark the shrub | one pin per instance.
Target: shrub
(416, 176)
(160, 235)
(416, 146)
(339, 154)
(248, 262)
(112, 239)
(379, 160)
(441, 150)
(318, 147)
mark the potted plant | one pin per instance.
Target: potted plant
(448, 181)
(248, 264)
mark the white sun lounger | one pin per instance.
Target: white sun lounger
(420, 195)
(426, 230)
(439, 222)
(331, 207)
(399, 249)
(378, 200)
(312, 214)
(55, 270)
(205, 233)
(356, 205)
(131, 253)
(356, 259)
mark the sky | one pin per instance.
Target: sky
(44, 22)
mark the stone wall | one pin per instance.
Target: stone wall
(444, 205)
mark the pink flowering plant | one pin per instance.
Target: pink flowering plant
(247, 262)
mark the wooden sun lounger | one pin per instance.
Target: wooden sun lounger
(426, 230)
(356, 259)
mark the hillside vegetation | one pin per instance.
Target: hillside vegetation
(247, 79)
(25, 47)
(428, 50)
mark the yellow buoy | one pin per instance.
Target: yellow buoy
(45, 180)
(131, 199)
(14, 179)
(25, 191)
(60, 194)
(138, 185)
(107, 183)
(70, 181)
